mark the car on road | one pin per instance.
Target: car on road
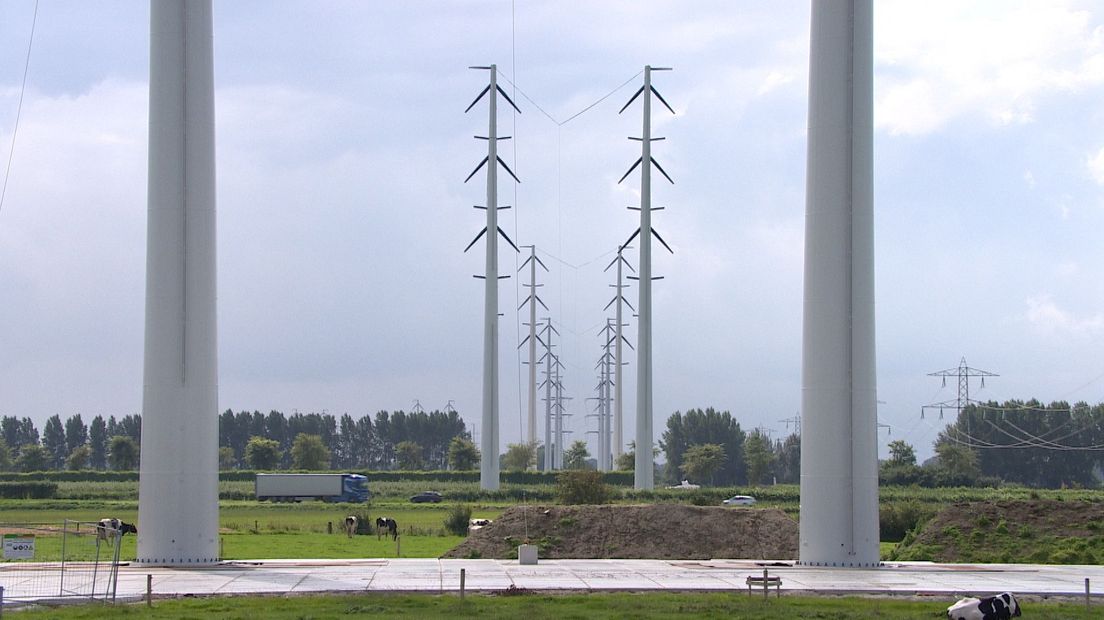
(739, 500)
(427, 497)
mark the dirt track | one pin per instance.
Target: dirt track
(667, 531)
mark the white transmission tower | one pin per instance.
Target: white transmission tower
(532, 339)
(488, 467)
(645, 475)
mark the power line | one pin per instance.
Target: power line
(19, 107)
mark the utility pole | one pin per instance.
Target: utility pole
(532, 338)
(559, 413)
(602, 410)
(963, 373)
(488, 466)
(619, 300)
(548, 358)
(645, 476)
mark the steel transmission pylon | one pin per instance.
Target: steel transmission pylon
(619, 338)
(532, 339)
(488, 466)
(963, 373)
(645, 476)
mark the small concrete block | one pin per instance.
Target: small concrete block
(527, 554)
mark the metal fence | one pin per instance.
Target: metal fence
(70, 560)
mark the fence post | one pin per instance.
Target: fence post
(1, 601)
(149, 590)
(329, 527)
(766, 588)
(461, 584)
(398, 546)
(1087, 595)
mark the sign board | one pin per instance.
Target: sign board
(19, 546)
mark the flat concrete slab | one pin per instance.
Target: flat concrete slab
(277, 577)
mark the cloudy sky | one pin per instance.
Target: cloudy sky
(343, 146)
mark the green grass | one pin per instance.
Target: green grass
(338, 546)
(620, 605)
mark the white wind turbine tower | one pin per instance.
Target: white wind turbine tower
(839, 452)
(619, 299)
(488, 466)
(645, 475)
(532, 339)
(178, 482)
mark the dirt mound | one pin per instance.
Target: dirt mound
(668, 531)
(1034, 531)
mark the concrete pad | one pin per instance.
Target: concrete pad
(438, 576)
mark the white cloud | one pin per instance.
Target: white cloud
(1096, 166)
(1029, 178)
(937, 61)
(774, 80)
(1045, 315)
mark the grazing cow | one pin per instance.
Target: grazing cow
(110, 529)
(350, 526)
(388, 524)
(1000, 607)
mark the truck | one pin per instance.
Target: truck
(298, 487)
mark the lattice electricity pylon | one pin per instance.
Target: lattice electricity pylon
(547, 332)
(795, 421)
(532, 339)
(488, 466)
(619, 338)
(644, 478)
(449, 408)
(963, 373)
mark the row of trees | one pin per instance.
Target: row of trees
(70, 445)
(1022, 442)
(399, 440)
(708, 446)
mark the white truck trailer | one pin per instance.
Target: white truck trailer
(298, 487)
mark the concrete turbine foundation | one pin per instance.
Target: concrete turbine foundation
(178, 487)
(839, 458)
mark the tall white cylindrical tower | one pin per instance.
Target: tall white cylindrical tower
(488, 463)
(839, 457)
(644, 476)
(178, 487)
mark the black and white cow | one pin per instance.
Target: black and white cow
(110, 529)
(387, 524)
(1000, 607)
(350, 525)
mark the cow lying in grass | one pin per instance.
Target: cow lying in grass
(389, 525)
(1000, 607)
(350, 526)
(110, 529)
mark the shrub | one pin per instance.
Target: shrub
(458, 519)
(582, 487)
(896, 519)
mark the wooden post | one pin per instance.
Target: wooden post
(766, 588)
(329, 527)
(1087, 595)
(149, 590)
(462, 575)
(222, 548)
(398, 546)
(1, 601)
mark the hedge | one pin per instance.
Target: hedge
(615, 478)
(28, 490)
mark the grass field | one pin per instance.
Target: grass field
(665, 605)
(249, 529)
